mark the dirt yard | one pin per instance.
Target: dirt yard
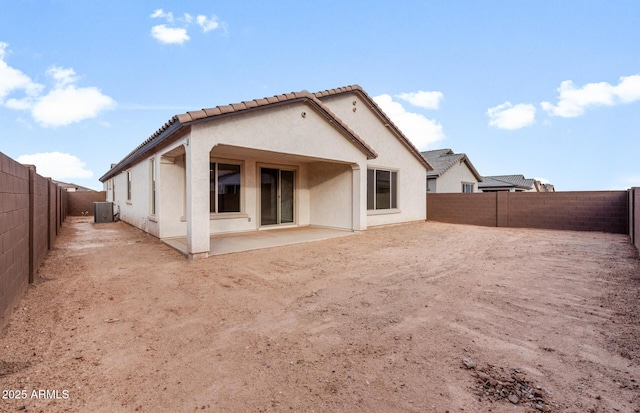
(425, 317)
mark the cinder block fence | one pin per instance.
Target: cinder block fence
(606, 211)
(32, 209)
(634, 216)
(81, 202)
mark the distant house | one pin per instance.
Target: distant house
(511, 183)
(328, 159)
(71, 187)
(544, 187)
(452, 172)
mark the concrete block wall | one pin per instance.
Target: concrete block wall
(82, 201)
(456, 208)
(14, 234)
(39, 221)
(605, 211)
(32, 209)
(53, 211)
(634, 216)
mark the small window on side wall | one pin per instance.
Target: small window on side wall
(382, 189)
(128, 185)
(152, 173)
(467, 187)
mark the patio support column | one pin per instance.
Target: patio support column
(359, 197)
(197, 174)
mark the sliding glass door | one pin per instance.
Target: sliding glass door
(277, 188)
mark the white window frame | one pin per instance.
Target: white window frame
(393, 190)
(214, 211)
(129, 185)
(153, 204)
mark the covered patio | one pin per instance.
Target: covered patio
(252, 240)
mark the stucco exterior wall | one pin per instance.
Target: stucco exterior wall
(293, 137)
(392, 154)
(261, 139)
(136, 211)
(171, 207)
(451, 181)
(294, 129)
(330, 173)
(249, 219)
(328, 207)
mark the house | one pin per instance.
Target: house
(331, 159)
(511, 183)
(544, 187)
(452, 172)
(71, 187)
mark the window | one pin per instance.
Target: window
(152, 173)
(382, 189)
(467, 187)
(224, 187)
(431, 185)
(128, 185)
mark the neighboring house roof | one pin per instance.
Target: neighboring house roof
(547, 188)
(178, 123)
(443, 159)
(506, 181)
(381, 115)
(76, 187)
(544, 187)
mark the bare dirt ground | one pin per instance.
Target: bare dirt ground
(424, 317)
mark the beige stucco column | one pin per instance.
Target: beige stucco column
(197, 171)
(359, 197)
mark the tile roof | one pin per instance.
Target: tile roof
(383, 116)
(443, 159)
(70, 185)
(178, 122)
(504, 181)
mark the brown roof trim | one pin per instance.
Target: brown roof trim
(178, 122)
(383, 117)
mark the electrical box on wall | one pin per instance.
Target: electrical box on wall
(102, 212)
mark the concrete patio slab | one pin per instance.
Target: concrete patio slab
(231, 243)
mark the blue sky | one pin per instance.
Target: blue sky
(547, 89)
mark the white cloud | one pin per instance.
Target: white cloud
(12, 79)
(511, 117)
(176, 31)
(628, 90)
(421, 131)
(573, 101)
(169, 35)
(423, 99)
(64, 104)
(57, 165)
(160, 14)
(62, 76)
(208, 23)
